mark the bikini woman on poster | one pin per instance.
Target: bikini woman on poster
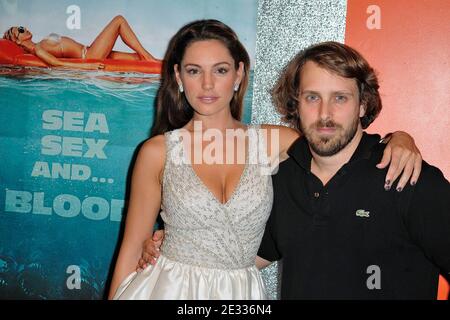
(54, 46)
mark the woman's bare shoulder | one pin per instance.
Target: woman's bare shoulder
(155, 145)
(153, 151)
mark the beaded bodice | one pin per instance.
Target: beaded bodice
(200, 230)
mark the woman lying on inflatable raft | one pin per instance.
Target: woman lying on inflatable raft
(17, 48)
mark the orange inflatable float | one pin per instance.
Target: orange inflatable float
(12, 54)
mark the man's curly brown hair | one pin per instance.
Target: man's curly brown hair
(338, 58)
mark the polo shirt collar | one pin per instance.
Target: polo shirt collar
(300, 152)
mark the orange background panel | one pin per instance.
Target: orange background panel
(411, 53)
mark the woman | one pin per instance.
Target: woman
(55, 46)
(214, 211)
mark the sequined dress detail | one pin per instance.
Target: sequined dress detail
(209, 247)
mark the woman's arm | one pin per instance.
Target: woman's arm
(279, 139)
(55, 62)
(401, 154)
(144, 205)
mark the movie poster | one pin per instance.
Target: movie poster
(69, 136)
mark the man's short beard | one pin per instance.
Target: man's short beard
(329, 146)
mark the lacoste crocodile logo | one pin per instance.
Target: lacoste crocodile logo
(362, 213)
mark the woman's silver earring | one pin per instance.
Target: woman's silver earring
(180, 87)
(236, 87)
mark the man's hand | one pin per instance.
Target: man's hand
(403, 155)
(150, 250)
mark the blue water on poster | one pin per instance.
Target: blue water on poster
(49, 225)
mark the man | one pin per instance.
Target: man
(310, 228)
(339, 234)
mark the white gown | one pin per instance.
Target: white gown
(209, 248)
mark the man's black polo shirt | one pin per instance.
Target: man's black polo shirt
(351, 239)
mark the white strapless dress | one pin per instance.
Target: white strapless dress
(209, 248)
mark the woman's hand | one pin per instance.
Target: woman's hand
(403, 155)
(91, 66)
(150, 250)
